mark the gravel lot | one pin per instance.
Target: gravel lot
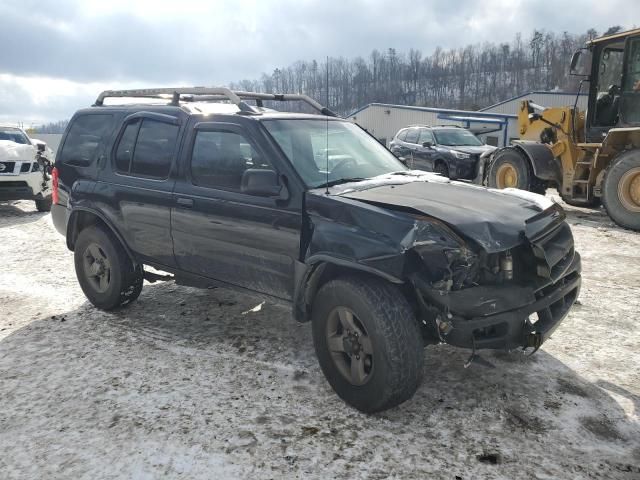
(184, 384)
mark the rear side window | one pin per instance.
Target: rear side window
(402, 135)
(412, 136)
(84, 139)
(124, 152)
(146, 148)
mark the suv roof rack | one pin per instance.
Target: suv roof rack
(210, 94)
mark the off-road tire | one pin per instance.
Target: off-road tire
(398, 348)
(126, 279)
(518, 161)
(538, 186)
(610, 195)
(44, 204)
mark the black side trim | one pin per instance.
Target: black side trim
(71, 225)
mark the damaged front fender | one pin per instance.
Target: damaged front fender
(348, 235)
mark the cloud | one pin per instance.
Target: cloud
(193, 42)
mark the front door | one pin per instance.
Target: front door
(222, 233)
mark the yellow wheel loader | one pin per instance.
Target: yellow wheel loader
(589, 156)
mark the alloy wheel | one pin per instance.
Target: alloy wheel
(350, 346)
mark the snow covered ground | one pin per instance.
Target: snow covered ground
(184, 384)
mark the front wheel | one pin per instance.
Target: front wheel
(105, 272)
(621, 190)
(368, 342)
(442, 169)
(510, 169)
(44, 204)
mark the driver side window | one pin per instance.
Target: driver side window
(630, 103)
(219, 159)
(609, 79)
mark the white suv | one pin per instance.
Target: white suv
(24, 168)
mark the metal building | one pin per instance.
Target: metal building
(496, 125)
(547, 99)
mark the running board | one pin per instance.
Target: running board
(156, 277)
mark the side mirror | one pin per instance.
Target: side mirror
(578, 67)
(427, 144)
(263, 183)
(41, 147)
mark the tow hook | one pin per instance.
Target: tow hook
(534, 340)
(474, 357)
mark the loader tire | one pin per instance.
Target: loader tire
(510, 169)
(621, 190)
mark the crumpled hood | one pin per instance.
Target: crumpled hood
(495, 219)
(12, 152)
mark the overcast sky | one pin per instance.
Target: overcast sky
(55, 57)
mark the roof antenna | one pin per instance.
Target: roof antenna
(327, 134)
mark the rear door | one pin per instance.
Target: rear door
(136, 191)
(222, 233)
(424, 156)
(410, 146)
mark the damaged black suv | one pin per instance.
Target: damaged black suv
(218, 190)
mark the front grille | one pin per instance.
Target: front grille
(25, 167)
(13, 184)
(7, 167)
(553, 252)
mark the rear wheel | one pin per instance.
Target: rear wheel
(44, 204)
(621, 190)
(105, 272)
(368, 342)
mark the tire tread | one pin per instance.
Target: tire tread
(396, 323)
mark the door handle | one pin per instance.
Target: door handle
(185, 202)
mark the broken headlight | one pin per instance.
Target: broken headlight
(447, 261)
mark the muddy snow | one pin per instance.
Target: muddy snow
(200, 384)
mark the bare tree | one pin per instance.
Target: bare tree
(470, 77)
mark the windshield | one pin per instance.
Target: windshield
(456, 137)
(341, 149)
(13, 135)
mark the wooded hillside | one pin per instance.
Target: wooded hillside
(467, 78)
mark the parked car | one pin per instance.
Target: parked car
(23, 168)
(448, 150)
(381, 259)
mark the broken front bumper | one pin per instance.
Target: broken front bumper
(499, 316)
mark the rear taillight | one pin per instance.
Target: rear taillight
(54, 186)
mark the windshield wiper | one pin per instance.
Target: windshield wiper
(340, 181)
